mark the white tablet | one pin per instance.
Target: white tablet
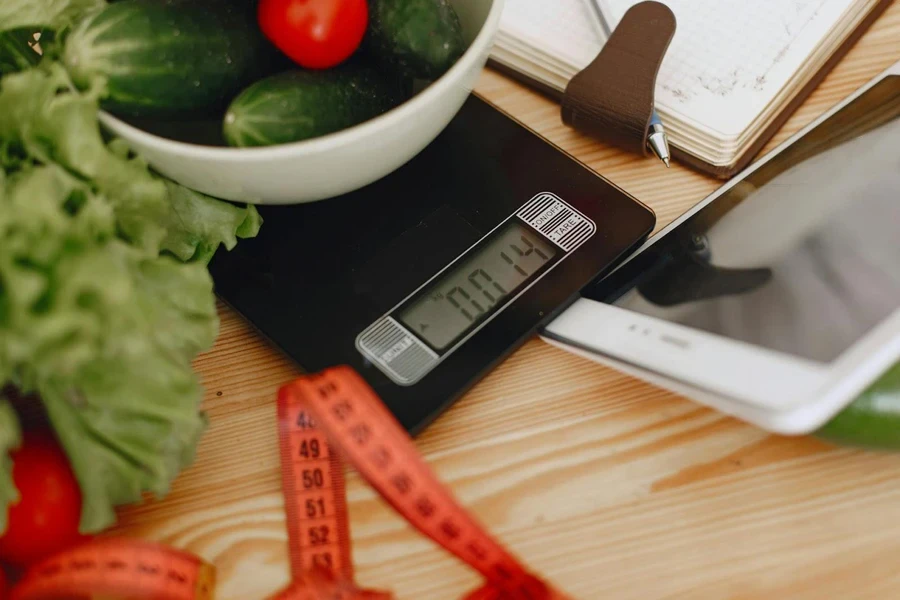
(777, 298)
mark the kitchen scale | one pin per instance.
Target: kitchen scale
(426, 279)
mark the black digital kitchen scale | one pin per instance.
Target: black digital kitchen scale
(425, 280)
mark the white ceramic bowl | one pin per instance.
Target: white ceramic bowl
(330, 165)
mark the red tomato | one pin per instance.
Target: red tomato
(316, 34)
(45, 519)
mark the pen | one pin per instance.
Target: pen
(657, 140)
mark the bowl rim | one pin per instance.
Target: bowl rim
(370, 128)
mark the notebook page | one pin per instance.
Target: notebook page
(562, 29)
(730, 58)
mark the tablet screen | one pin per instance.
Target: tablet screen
(802, 256)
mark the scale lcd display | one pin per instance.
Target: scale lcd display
(476, 286)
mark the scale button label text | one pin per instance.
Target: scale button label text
(551, 211)
(565, 227)
(392, 352)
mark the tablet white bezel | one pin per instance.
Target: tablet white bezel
(777, 391)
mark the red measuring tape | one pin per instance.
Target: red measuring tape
(118, 569)
(322, 419)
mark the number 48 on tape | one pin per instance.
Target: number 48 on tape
(336, 414)
(321, 419)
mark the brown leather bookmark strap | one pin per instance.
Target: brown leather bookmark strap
(613, 97)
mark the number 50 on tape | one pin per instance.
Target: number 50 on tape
(321, 419)
(336, 413)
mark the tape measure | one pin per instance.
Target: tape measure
(118, 569)
(322, 419)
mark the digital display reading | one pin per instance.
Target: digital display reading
(475, 287)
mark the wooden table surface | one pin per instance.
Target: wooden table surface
(608, 486)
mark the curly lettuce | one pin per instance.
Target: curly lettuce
(105, 298)
(197, 225)
(129, 417)
(55, 14)
(30, 28)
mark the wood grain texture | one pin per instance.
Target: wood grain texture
(610, 487)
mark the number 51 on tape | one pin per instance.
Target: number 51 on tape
(334, 415)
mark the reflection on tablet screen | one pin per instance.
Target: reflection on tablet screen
(802, 257)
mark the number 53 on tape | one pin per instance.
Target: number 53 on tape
(321, 419)
(334, 415)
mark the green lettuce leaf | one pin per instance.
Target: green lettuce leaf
(129, 419)
(197, 224)
(42, 116)
(105, 299)
(10, 437)
(46, 216)
(56, 14)
(105, 334)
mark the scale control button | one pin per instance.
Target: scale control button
(400, 355)
(558, 221)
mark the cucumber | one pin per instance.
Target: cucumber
(163, 58)
(873, 420)
(419, 39)
(299, 105)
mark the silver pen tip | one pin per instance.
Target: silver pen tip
(658, 143)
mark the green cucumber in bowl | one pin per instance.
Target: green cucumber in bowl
(169, 59)
(299, 105)
(418, 39)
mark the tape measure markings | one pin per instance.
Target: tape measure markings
(324, 585)
(119, 568)
(317, 415)
(350, 413)
(314, 491)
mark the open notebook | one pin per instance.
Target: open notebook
(733, 73)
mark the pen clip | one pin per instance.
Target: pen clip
(613, 97)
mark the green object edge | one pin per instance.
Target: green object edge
(872, 420)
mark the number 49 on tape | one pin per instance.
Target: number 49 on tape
(334, 415)
(321, 419)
